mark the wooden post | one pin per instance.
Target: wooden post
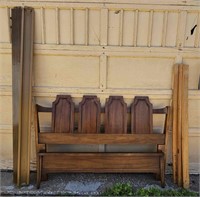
(22, 53)
(174, 121)
(179, 126)
(185, 157)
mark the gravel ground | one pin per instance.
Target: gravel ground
(84, 183)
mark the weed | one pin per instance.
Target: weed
(125, 189)
(120, 189)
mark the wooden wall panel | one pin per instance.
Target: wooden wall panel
(172, 26)
(65, 26)
(79, 26)
(194, 72)
(5, 110)
(128, 28)
(194, 113)
(143, 28)
(191, 29)
(38, 26)
(50, 26)
(5, 25)
(70, 71)
(113, 27)
(157, 29)
(94, 27)
(6, 151)
(125, 72)
(5, 69)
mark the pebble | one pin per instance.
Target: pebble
(79, 187)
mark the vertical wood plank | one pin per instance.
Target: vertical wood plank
(141, 115)
(89, 115)
(164, 31)
(179, 126)
(22, 54)
(57, 22)
(197, 35)
(180, 40)
(121, 27)
(135, 28)
(103, 72)
(43, 25)
(86, 26)
(17, 28)
(150, 28)
(104, 27)
(72, 26)
(115, 115)
(63, 114)
(9, 32)
(174, 121)
(185, 151)
(27, 94)
(166, 132)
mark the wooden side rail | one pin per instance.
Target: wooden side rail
(65, 138)
(114, 130)
(102, 162)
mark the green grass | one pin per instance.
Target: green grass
(120, 189)
(125, 189)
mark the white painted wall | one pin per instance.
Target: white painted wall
(105, 47)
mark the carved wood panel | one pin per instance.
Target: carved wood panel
(115, 115)
(89, 115)
(141, 115)
(63, 114)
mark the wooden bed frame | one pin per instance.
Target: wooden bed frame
(91, 130)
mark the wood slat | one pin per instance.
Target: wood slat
(89, 115)
(179, 127)
(16, 82)
(22, 54)
(101, 162)
(185, 152)
(63, 114)
(174, 121)
(65, 138)
(115, 115)
(141, 115)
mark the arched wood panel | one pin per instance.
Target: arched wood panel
(115, 115)
(63, 114)
(141, 115)
(89, 115)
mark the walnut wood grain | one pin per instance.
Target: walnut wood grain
(89, 112)
(65, 138)
(89, 115)
(141, 115)
(63, 114)
(102, 162)
(115, 115)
